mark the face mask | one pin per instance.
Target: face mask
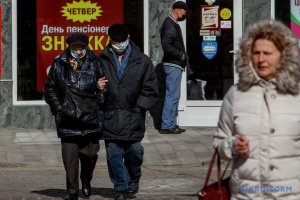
(182, 18)
(121, 47)
(78, 55)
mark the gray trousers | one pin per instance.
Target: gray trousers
(80, 148)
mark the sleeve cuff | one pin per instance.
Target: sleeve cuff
(234, 152)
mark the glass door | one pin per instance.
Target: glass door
(212, 31)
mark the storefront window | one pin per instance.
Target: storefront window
(42, 27)
(283, 11)
(288, 11)
(209, 42)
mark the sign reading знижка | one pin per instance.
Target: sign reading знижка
(56, 19)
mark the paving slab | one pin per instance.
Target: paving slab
(42, 147)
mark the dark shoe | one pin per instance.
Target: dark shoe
(86, 189)
(170, 131)
(181, 129)
(120, 195)
(72, 197)
(133, 188)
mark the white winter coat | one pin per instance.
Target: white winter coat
(268, 114)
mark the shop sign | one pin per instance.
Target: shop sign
(209, 17)
(210, 2)
(225, 24)
(209, 38)
(56, 19)
(209, 49)
(225, 13)
(295, 19)
(204, 32)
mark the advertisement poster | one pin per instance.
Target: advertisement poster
(209, 17)
(295, 18)
(209, 49)
(56, 19)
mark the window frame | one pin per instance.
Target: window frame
(17, 102)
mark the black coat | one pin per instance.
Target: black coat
(54, 86)
(128, 98)
(172, 43)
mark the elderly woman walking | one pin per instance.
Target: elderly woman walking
(77, 67)
(259, 125)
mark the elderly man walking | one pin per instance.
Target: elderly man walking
(132, 89)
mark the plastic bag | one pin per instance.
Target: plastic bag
(196, 90)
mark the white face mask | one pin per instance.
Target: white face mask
(120, 47)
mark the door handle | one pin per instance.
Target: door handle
(232, 51)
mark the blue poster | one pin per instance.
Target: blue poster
(209, 49)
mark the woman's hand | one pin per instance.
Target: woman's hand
(241, 145)
(101, 83)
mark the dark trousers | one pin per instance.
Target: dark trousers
(80, 148)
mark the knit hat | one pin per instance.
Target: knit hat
(181, 5)
(118, 32)
(78, 38)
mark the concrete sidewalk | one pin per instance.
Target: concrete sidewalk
(174, 168)
(42, 147)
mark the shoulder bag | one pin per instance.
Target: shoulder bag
(218, 190)
(80, 110)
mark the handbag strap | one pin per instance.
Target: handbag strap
(218, 172)
(219, 178)
(210, 167)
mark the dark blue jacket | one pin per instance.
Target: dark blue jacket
(54, 86)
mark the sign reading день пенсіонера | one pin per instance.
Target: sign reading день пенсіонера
(56, 19)
(267, 188)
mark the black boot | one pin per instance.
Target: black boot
(72, 197)
(86, 189)
(133, 188)
(120, 195)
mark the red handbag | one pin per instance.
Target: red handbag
(218, 190)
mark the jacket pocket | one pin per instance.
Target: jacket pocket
(137, 119)
(130, 120)
(110, 121)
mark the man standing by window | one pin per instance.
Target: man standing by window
(174, 61)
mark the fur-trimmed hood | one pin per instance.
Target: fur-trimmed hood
(287, 75)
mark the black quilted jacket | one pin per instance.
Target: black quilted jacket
(54, 86)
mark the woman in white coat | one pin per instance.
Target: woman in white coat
(259, 124)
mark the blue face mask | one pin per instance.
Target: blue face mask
(78, 55)
(120, 47)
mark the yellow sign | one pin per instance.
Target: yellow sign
(81, 11)
(225, 13)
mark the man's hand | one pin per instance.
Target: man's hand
(101, 83)
(241, 145)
